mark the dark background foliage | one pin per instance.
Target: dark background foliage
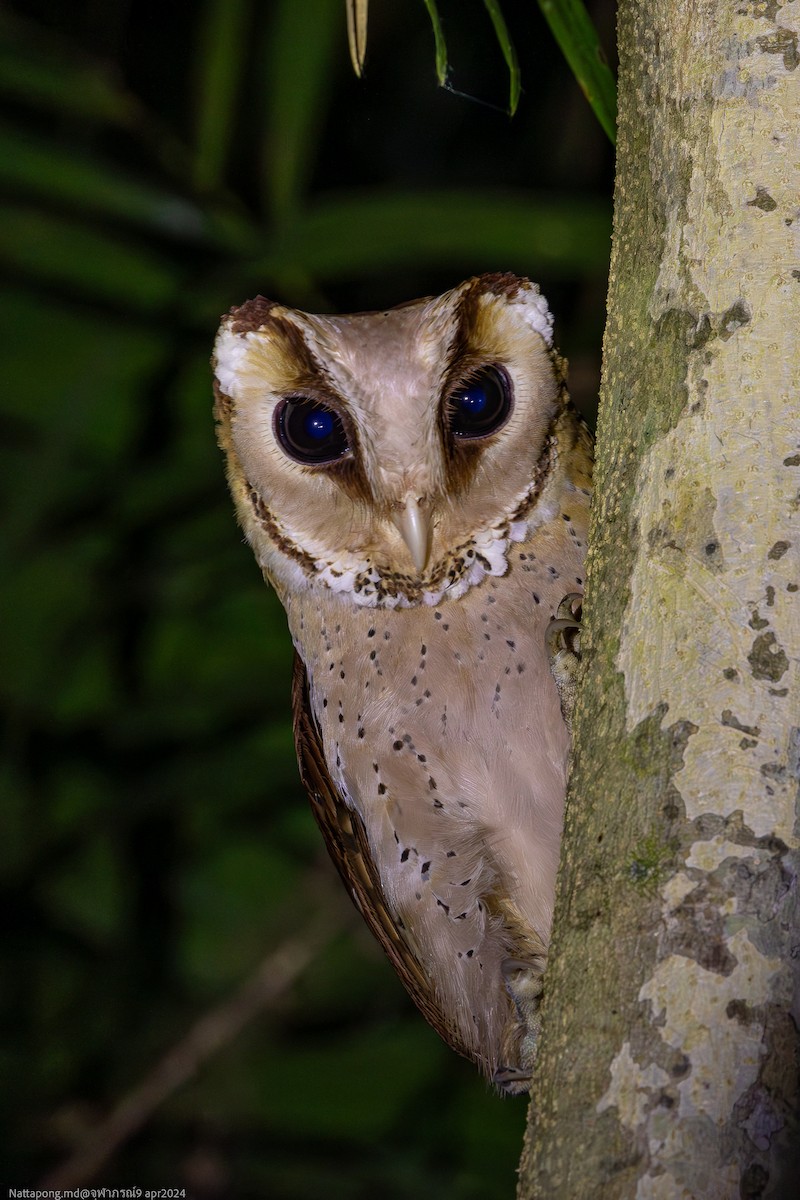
(159, 163)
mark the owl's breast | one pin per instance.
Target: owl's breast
(442, 726)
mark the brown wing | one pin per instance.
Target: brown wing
(348, 846)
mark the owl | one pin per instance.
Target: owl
(415, 486)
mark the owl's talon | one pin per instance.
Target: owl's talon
(569, 610)
(513, 1081)
(563, 641)
(523, 980)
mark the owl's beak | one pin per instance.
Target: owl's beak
(414, 526)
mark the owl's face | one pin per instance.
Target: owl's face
(390, 455)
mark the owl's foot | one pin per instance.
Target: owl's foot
(563, 639)
(512, 1081)
(523, 980)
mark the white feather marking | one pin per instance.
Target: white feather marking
(363, 584)
(494, 549)
(337, 577)
(537, 315)
(230, 351)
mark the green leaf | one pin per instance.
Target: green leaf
(221, 59)
(572, 28)
(49, 171)
(40, 70)
(335, 1111)
(439, 42)
(51, 249)
(298, 62)
(46, 73)
(71, 403)
(96, 912)
(361, 233)
(220, 894)
(509, 53)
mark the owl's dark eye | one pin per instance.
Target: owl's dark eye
(481, 405)
(310, 432)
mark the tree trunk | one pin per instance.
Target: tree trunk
(668, 1062)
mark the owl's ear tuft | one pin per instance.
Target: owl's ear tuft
(523, 295)
(502, 283)
(253, 314)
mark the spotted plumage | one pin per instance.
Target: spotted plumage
(415, 483)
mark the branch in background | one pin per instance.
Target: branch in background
(211, 1033)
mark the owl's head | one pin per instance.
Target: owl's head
(391, 456)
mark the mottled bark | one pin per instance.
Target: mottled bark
(669, 1060)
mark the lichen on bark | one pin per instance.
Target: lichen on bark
(665, 1068)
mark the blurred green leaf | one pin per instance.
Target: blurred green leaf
(76, 424)
(70, 254)
(298, 66)
(40, 69)
(48, 73)
(79, 798)
(340, 1105)
(219, 67)
(96, 914)
(72, 379)
(179, 680)
(31, 641)
(367, 232)
(228, 896)
(35, 167)
(572, 28)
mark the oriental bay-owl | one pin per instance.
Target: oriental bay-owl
(415, 484)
